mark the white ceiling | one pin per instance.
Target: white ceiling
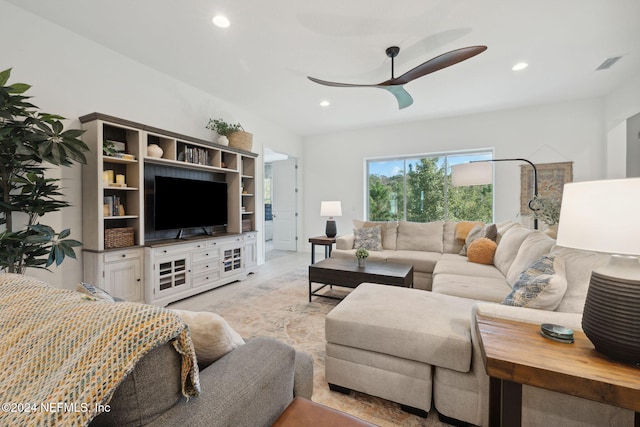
(261, 61)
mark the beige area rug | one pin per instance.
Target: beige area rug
(279, 308)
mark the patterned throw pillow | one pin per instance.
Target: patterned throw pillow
(542, 285)
(369, 238)
(94, 291)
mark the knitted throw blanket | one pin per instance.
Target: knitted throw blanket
(63, 354)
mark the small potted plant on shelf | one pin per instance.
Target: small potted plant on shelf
(233, 135)
(362, 255)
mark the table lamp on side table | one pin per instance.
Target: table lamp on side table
(331, 209)
(602, 216)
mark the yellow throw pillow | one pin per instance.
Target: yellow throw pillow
(481, 251)
(463, 228)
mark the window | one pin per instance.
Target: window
(419, 189)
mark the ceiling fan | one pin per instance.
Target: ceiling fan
(394, 84)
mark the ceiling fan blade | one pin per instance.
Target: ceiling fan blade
(438, 63)
(403, 97)
(326, 83)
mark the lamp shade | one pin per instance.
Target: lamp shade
(466, 174)
(601, 216)
(331, 208)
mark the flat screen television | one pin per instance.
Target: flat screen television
(187, 203)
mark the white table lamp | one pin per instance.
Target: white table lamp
(331, 209)
(602, 216)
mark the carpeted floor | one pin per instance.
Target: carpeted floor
(279, 308)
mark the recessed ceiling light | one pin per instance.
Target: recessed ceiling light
(520, 66)
(221, 21)
(325, 103)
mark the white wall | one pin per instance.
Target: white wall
(622, 103)
(572, 131)
(73, 76)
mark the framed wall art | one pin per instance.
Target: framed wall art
(551, 180)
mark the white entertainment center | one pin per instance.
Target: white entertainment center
(122, 252)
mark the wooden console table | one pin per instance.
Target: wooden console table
(514, 353)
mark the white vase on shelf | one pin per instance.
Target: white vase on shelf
(223, 140)
(154, 150)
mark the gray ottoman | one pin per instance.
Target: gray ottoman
(384, 340)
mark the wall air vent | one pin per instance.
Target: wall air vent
(608, 63)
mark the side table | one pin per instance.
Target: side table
(325, 241)
(514, 353)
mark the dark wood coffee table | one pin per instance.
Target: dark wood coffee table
(346, 273)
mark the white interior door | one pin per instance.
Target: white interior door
(284, 205)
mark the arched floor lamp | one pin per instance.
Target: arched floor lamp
(480, 172)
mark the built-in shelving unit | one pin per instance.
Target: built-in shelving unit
(117, 246)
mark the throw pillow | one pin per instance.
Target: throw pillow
(388, 230)
(94, 291)
(481, 251)
(490, 232)
(369, 238)
(211, 335)
(542, 285)
(474, 233)
(463, 228)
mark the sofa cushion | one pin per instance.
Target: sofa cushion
(578, 266)
(449, 242)
(503, 227)
(460, 265)
(533, 247)
(489, 289)
(211, 335)
(508, 247)
(369, 238)
(151, 389)
(420, 236)
(406, 323)
(421, 261)
(542, 285)
(388, 230)
(481, 251)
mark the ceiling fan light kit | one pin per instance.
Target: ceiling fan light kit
(395, 84)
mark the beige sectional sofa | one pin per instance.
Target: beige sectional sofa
(419, 348)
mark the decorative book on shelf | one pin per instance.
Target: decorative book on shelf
(195, 155)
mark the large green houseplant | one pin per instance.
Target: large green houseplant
(28, 140)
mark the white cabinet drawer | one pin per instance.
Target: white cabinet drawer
(204, 279)
(204, 267)
(206, 255)
(122, 255)
(174, 249)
